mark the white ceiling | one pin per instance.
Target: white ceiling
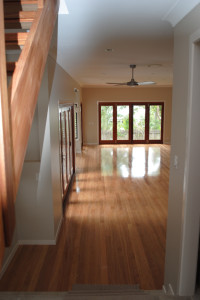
(139, 32)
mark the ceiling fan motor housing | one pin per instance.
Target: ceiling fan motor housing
(132, 66)
(132, 82)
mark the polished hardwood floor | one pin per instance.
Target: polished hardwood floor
(114, 230)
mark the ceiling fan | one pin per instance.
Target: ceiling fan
(132, 82)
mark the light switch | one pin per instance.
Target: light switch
(176, 161)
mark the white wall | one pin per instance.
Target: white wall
(39, 200)
(34, 204)
(179, 276)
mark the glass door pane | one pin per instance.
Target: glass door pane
(106, 122)
(63, 148)
(139, 112)
(66, 127)
(155, 122)
(68, 145)
(62, 151)
(122, 122)
(70, 141)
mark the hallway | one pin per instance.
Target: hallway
(114, 230)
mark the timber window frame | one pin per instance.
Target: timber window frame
(130, 139)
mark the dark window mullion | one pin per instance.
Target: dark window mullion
(147, 123)
(115, 123)
(131, 123)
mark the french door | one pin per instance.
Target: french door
(67, 151)
(131, 123)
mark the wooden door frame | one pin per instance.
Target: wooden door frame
(131, 141)
(162, 122)
(146, 124)
(106, 104)
(72, 139)
(123, 141)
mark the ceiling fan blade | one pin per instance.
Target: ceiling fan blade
(117, 83)
(132, 82)
(146, 83)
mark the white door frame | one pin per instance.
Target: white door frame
(191, 215)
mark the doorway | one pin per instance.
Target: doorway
(131, 123)
(67, 147)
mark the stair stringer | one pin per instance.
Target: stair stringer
(23, 93)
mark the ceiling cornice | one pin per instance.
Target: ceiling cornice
(179, 10)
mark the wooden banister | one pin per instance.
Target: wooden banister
(7, 179)
(27, 78)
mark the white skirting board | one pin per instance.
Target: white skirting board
(168, 290)
(36, 242)
(90, 144)
(42, 242)
(58, 229)
(171, 291)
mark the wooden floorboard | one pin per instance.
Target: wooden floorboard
(114, 230)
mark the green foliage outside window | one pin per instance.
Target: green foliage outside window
(155, 116)
(122, 122)
(106, 123)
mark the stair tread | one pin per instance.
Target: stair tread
(20, 1)
(76, 287)
(11, 65)
(17, 38)
(95, 289)
(18, 25)
(16, 6)
(112, 291)
(62, 296)
(25, 16)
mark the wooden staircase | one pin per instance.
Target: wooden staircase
(19, 14)
(18, 18)
(25, 36)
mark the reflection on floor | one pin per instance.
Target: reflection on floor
(123, 192)
(114, 231)
(131, 162)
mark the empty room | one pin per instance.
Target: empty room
(99, 148)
